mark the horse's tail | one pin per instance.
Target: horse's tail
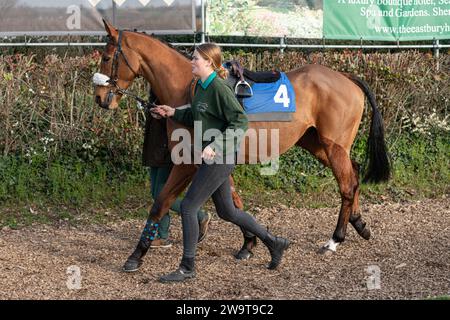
(378, 168)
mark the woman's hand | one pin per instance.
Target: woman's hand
(164, 111)
(154, 115)
(208, 153)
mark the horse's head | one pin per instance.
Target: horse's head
(119, 67)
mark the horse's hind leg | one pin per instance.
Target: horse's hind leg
(348, 186)
(310, 141)
(355, 216)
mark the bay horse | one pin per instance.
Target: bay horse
(329, 110)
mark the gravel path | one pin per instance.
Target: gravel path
(410, 245)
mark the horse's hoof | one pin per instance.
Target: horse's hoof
(243, 255)
(365, 233)
(328, 248)
(132, 265)
(325, 251)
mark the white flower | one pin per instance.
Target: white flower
(87, 146)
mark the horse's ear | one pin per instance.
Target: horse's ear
(112, 32)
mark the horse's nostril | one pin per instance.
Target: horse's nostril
(98, 100)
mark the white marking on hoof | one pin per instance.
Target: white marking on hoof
(331, 245)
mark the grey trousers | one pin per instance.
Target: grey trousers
(212, 180)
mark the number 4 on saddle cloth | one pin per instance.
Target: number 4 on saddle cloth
(265, 96)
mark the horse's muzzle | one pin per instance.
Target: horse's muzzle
(104, 105)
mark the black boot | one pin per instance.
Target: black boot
(276, 246)
(184, 272)
(135, 261)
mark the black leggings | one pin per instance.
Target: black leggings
(212, 180)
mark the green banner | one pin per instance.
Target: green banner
(386, 19)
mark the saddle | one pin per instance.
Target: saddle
(244, 82)
(242, 79)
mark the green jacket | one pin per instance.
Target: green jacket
(216, 107)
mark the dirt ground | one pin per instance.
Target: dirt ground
(410, 246)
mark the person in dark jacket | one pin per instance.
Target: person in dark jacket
(156, 156)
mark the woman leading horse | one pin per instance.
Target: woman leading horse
(215, 107)
(330, 107)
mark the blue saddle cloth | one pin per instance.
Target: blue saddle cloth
(271, 97)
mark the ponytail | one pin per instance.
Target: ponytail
(222, 72)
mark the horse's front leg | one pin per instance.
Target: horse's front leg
(179, 178)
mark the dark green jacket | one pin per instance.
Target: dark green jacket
(215, 105)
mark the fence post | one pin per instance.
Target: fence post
(114, 13)
(436, 52)
(203, 22)
(282, 45)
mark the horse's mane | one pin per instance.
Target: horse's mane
(168, 44)
(182, 52)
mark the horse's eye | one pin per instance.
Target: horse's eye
(106, 59)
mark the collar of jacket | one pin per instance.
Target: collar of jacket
(208, 81)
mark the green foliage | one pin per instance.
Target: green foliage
(48, 108)
(57, 146)
(443, 297)
(298, 172)
(418, 164)
(226, 15)
(421, 163)
(67, 180)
